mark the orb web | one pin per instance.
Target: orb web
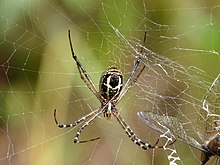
(38, 75)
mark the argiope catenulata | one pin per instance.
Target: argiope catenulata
(111, 90)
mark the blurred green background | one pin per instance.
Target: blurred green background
(38, 74)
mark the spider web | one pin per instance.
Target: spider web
(38, 75)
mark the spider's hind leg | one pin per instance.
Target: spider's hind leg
(131, 133)
(73, 124)
(76, 139)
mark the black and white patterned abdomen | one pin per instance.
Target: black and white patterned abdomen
(111, 83)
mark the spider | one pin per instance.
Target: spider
(111, 90)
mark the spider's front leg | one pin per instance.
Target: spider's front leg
(82, 71)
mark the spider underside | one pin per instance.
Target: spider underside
(111, 90)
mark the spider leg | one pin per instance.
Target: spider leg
(136, 64)
(145, 36)
(76, 139)
(129, 83)
(75, 123)
(135, 79)
(139, 58)
(162, 146)
(133, 137)
(130, 133)
(84, 75)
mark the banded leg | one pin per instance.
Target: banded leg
(134, 138)
(129, 83)
(75, 123)
(131, 134)
(76, 139)
(135, 79)
(136, 64)
(84, 75)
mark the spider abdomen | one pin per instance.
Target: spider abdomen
(111, 83)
